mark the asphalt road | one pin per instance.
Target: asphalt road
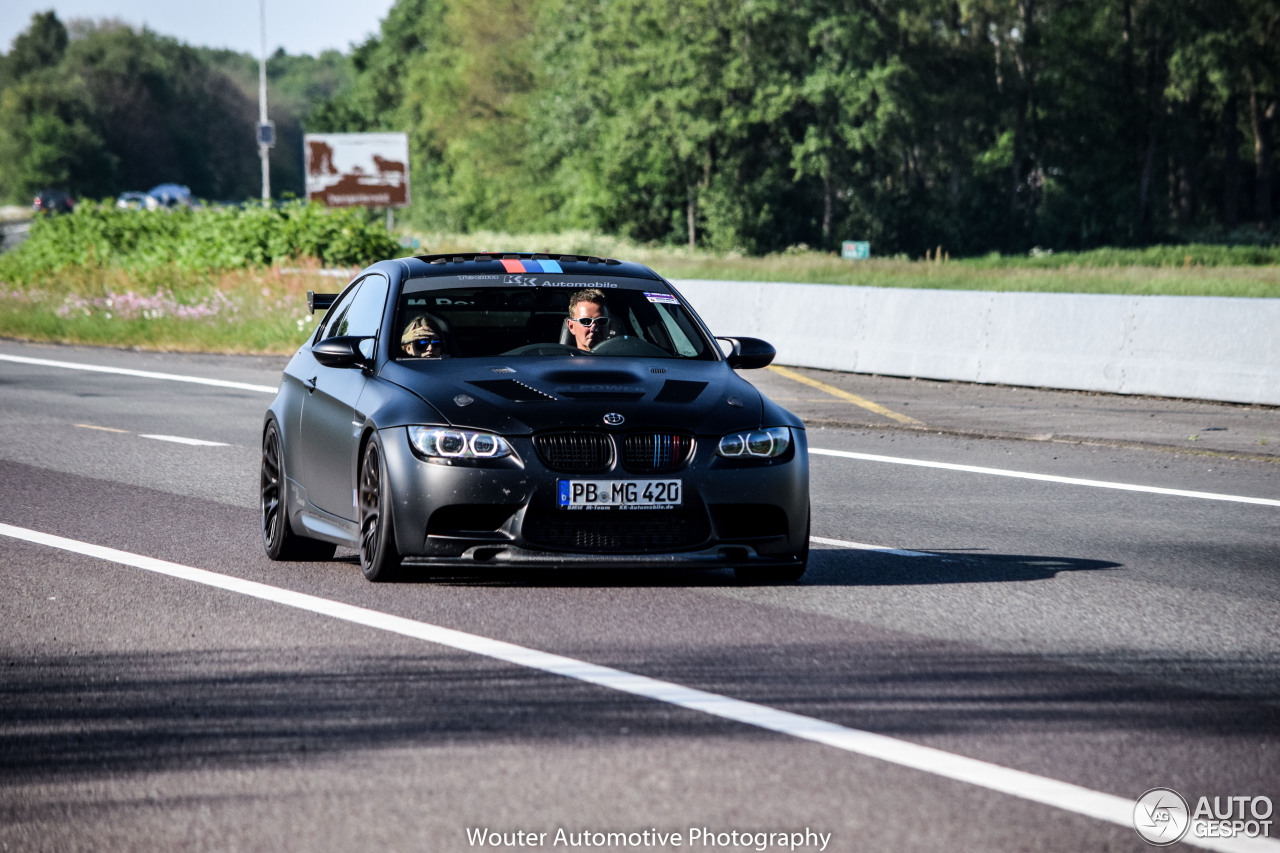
(1068, 598)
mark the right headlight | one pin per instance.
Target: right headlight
(444, 443)
(757, 443)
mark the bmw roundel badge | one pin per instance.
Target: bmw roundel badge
(614, 419)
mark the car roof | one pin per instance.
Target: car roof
(524, 262)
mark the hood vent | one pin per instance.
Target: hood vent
(513, 390)
(592, 376)
(679, 391)
(601, 392)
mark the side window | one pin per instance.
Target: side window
(336, 320)
(365, 317)
(358, 311)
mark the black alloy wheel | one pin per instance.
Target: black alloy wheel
(278, 538)
(379, 559)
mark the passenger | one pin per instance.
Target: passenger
(588, 318)
(421, 339)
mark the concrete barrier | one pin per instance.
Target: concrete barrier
(1203, 348)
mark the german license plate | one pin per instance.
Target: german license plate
(619, 494)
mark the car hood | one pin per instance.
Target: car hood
(522, 395)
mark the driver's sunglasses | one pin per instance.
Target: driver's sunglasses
(428, 342)
(590, 321)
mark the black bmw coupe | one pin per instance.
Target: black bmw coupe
(529, 410)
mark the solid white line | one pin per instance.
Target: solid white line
(143, 374)
(1051, 792)
(195, 442)
(1046, 478)
(840, 543)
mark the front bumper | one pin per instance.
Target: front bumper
(507, 514)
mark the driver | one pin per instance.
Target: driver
(421, 339)
(588, 318)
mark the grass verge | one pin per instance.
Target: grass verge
(248, 311)
(262, 309)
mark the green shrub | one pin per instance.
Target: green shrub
(100, 235)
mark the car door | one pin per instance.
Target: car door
(331, 421)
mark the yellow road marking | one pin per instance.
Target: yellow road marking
(845, 395)
(104, 429)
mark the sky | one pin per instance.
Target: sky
(299, 26)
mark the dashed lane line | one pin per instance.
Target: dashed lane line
(101, 428)
(194, 442)
(141, 374)
(176, 439)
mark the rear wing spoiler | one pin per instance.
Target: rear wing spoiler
(319, 301)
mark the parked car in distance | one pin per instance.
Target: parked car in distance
(53, 201)
(132, 201)
(168, 195)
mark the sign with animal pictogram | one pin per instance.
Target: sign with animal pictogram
(357, 169)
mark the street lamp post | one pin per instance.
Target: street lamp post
(266, 129)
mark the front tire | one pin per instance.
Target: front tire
(278, 538)
(379, 558)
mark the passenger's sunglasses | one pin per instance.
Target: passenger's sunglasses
(590, 321)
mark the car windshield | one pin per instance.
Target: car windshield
(467, 317)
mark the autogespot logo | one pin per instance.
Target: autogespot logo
(1161, 816)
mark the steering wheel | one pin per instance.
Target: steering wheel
(630, 345)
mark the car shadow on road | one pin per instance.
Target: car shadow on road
(845, 567)
(827, 567)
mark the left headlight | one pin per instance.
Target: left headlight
(443, 443)
(757, 443)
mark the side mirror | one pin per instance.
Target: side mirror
(345, 351)
(749, 353)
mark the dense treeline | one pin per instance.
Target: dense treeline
(974, 125)
(103, 108)
(758, 124)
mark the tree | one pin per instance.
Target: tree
(41, 45)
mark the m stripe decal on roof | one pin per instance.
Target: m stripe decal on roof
(530, 266)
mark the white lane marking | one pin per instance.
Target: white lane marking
(1046, 478)
(993, 777)
(194, 442)
(840, 543)
(143, 374)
